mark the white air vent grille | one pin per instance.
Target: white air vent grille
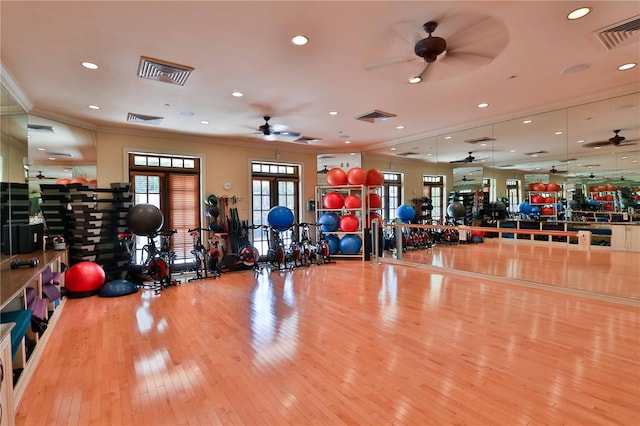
(166, 72)
(40, 128)
(620, 33)
(375, 116)
(59, 154)
(536, 153)
(145, 119)
(478, 140)
(407, 154)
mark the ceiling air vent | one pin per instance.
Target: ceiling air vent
(620, 33)
(59, 154)
(478, 140)
(144, 119)
(40, 128)
(407, 154)
(375, 116)
(166, 72)
(536, 153)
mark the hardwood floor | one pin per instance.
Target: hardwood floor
(345, 343)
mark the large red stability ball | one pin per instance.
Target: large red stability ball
(352, 201)
(374, 177)
(333, 200)
(63, 181)
(84, 277)
(372, 217)
(349, 223)
(375, 202)
(536, 199)
(336, 177)
(79, 180)
(356, 176)
(144, 219)
(553, 187)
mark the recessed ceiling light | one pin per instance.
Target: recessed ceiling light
(399, 127)
(415, 80)
(624, 157)
(447, 137)
(534, 155)
(352, 153)
(90, 65)
(299, 40)
(557, 133)
(204, 121)
(512, 150)
(333, 112)
(347, 141)
(41, 149)
(634, 161)
(527, 121)
(52, 158)
(237, 94)
(93, 107)
(627, 66)
(580, 141)
(392, 149)
(483, 105)
(579, 13)
(483, 144)
(597, 147)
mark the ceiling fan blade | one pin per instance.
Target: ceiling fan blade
(596, 144)
(375, 65)
(479, 31)
(409, 32)
(466, 60)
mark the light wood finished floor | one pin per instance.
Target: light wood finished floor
(346, 343)
(599, 270)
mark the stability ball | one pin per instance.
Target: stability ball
(375, 202)
(280, 218)
(352, 202)
(333, 200)
(118, 287)
(405, 213)
(356, 176)
(524, 207)
(334, 243)
(374, 177)
(84, 278)
(553, 187)
(144, 219)
(336, 177)
(349, 223)
(372, 217)
(79, 180)
(328, 222)
(350, 244)
(63, 181)
(456, 209)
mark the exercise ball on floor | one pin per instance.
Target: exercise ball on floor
(336, 177)
(328, 222)
(405, 213)
(280, 218)
(84, 279)
(118, 287)
(334, 243)
(144, 219)
(350, 244)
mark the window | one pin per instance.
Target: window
(173, 185)
(391, 195)
(433, 189)
(514, 195)
(272, 184)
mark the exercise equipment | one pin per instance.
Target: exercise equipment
(280, 218)
(333, 241)
(405, 213)
(328, 222)
(456, 210)
(349, 223)
(375, 201)
(356, 176)
(63, 181)
(144, 219)
(84, 279)
(525, 208)
(374, 177)
(352, 201)
(31, 263)
(333, 200)
(336, 177)
(350, 244)
(118, 287)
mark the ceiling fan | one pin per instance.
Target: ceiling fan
(41, 176)
(281, 132)
(469, 159)
(466, 179)
(324, 171)
(554, 170)
(616, 140)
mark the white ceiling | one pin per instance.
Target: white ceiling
(358, 59)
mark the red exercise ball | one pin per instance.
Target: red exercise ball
(79, 180)
(553, 187)
(336, 177)
(356, 176)
(375, 202)
(63, 181)
(548, 200)
(536, 199)
(349, 223)
(372, 217)
(352, 201)
(84, 277)
(333, 200)
(374, 177)
(539, 186)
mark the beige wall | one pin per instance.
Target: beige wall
(221, 163)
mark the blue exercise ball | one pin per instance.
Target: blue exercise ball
(118, 287)
(329, 222)
(525, 207)
(334, 243)
(560, 207)
(280, 218)
(535, 210)
(405, 213)
(350, 244)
